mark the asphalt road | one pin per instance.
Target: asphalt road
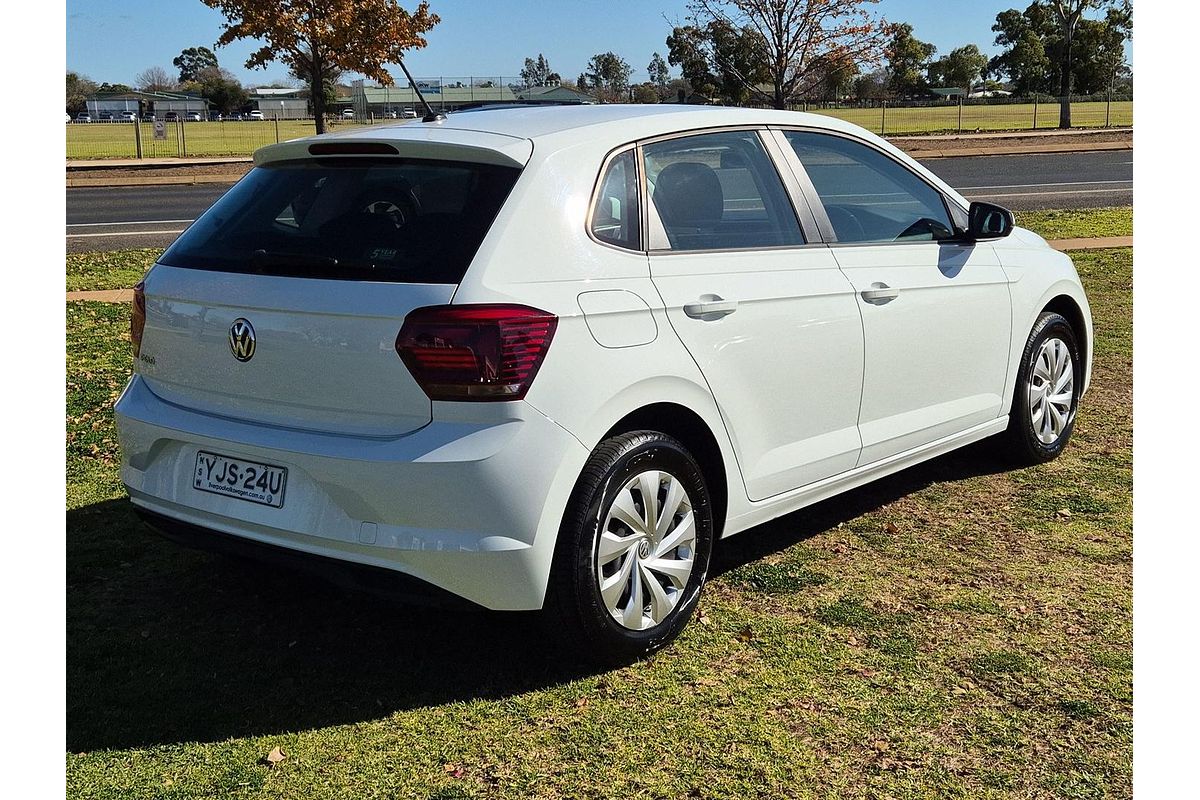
(152, 216)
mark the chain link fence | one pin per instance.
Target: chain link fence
(241, 137)
(979, 115)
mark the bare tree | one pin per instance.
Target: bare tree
(796, 37)
(154, 79)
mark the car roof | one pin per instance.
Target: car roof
(617, 122)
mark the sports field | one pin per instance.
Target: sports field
(116, 139)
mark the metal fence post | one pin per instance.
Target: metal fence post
(276, 129)
(182, 135)
(961, 99)
(137, 137)
(883, 119)
(1108, 111)
(1035, 104)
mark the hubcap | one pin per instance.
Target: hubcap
(1051, 391)
(646, 550)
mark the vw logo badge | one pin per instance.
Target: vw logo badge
(241, 339)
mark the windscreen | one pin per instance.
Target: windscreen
(394, 219)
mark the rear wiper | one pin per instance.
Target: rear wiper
(307, 261)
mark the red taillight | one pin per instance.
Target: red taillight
(475, 352)
(137, 318)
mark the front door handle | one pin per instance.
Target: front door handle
(710, 307)
(880, 293)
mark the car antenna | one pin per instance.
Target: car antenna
(430, 114)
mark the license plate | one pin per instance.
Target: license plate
(240, 479)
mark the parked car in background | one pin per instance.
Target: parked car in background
(148, 117)
(128, 116)
(106, 117)
(194, 116)
(68, 119)
(83, 116)
(597, 340)
(171, 116)
(408, 113)
(347, 113)
(215, 116)
(256, 114)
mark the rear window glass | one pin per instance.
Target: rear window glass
(401, 220)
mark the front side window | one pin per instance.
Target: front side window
(868, 196)
(615, 216)
(719, 191)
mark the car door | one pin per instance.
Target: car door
(935, 310)
(766, 313)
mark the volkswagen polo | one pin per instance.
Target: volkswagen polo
(546, 358)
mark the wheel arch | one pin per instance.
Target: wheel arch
(694, 433)
(1066, 305)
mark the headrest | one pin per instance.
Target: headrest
(688, 195)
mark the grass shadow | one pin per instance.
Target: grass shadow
(166, 645)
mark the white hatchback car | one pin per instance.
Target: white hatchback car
(547, 357)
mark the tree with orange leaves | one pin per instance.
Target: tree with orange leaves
(795, 39)
(312, 35)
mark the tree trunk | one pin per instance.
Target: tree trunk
(317, 89)
(1064, 86)
(780, 100)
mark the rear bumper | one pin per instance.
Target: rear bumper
(470, 504)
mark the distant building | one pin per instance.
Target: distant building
(275, 103)
(157, 103)
(385, 101)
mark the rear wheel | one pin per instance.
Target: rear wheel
(1046, 397)
(633, 551)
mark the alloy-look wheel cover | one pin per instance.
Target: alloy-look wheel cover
(1051, 391)
(646, 550)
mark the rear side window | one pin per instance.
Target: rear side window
(868, 196)
(616, 218)
(399, 220)
(719, 191)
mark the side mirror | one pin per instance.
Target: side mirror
(989, 221)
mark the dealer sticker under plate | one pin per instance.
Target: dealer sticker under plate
(241, 479)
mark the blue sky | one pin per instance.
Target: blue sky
(113, 40)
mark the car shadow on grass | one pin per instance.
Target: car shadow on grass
(166, 644)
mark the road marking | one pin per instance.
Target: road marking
(134, 222)
(1042, 185)
(1050, 194)
(119, 233)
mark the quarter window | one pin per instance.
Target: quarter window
(615, 217)
(868, 196)
(719, 191)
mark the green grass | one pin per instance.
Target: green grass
(116, 140)
(944, 632)
(995, 117)
(115, 269)
(1079, 223)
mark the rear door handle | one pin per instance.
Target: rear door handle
(880, 293)
(710, 307)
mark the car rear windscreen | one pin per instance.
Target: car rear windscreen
(388, 219)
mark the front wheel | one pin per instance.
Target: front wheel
(633, 550)
(1046, 397)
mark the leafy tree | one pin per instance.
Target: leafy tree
(962, 67)
(645, 93)
(907, 60)
(154, 79)
(354, 35)
(837, 77)
(1052, 46)
(221, 88)
(113, 88)
(608, 74)
(79, 89)
(538, 73)
(791, 37)
(192, 61)
(331, 74)
(871, 86)
(719, 60)
(660, 74)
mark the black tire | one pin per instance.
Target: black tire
(574, 606)
(1020, 441)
